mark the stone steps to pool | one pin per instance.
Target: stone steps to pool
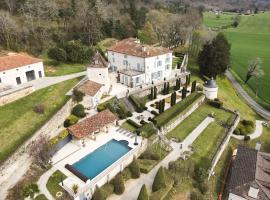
(125, 132)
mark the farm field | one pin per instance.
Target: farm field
(211, 20)
(250, 40)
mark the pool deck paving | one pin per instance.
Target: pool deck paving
(133, 187)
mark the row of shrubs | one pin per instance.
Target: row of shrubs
(115, 106)
(76, 113)
(138, 104)
(118, 182)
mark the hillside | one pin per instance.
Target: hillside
(249, 40)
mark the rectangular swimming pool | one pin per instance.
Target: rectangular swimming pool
(97, 161)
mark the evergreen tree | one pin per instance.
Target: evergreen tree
(193, 87)
(118, 183)
(155, 92)
(135, 169)
(168, 88)
(214, 58)
(98, 195)
(160, 180)
(184, 93)
(152, 93)
(164, 88)
(173, 99)
(143, 193)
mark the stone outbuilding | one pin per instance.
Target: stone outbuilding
(210, 89)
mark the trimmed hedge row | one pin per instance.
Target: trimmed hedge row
(130, 121)
(177, 109)
(147, 130)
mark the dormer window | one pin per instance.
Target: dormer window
(96, 62)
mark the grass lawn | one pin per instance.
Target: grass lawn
(186, 127)
(210, 19)
(63, 69)
(249, 40)
(53, 183)
(128, 126)
(19, 121)
(177, 109)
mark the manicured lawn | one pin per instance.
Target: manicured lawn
(19, 121)
(64, 69)
(128, 126)
(53, 183)
(249, 40)
(210, 19)
(191, 122)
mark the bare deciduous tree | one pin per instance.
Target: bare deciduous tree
(40, 150)
(254, 69)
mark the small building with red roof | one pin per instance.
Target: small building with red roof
(19, 68)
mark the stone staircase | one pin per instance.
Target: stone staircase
(128, 104)
(126, 132)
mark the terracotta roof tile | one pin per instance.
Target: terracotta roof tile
(98, 61)
(90, 88)
(132, 46)
(92, 124)
(15, 60)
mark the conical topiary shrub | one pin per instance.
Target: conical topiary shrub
(118, 183)
(98, 195)
(143, 193)
(135, 169)
(159, 181)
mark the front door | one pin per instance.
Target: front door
(30, 75)
(39, 74)
(18, 80)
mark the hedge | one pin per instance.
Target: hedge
(62, 135)
(147, 130)
(130, 121)
(244, 127)
(70, 120)
(98, 195)
(78, 111)
(138, 104)
(115, 106)
(216, 103)
(177, 109)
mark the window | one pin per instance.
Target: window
(159, 63)
(125, 56)
(39, 74)
(113, 59)
(125, 62)
(167, 60)
(0, 80)
(137, 80)
(138, 66)
(18, 80)
(167, 67)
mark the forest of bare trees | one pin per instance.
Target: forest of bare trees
(37, 25)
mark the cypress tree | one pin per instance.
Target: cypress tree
(173, 99)
(152, 93)
(118, 183)
(193, 87)
(135, 169)
(159, 181)
(164, 88)
(143, 193)
(155, 92)
(98, 195)
(184, 93)
(168, 88)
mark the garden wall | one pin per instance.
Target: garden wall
(224, 144)
(177, 120)
(15, 94)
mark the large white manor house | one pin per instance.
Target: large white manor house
(139, 64)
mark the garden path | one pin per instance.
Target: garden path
(133, 187)
(43, 181)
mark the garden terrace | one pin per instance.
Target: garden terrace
(116, 106)
(19, 121)
(177, 109)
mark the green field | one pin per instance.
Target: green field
(211, 20)
(19, 121)
(249, 40)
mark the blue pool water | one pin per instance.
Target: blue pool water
(97, 161)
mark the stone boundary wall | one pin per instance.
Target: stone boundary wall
(171, 125)
(8, 97)
(224, 144)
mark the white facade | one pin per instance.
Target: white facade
(153, 68)
(20, 75)
(101, 76)
(210, 93)
(93, 101)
